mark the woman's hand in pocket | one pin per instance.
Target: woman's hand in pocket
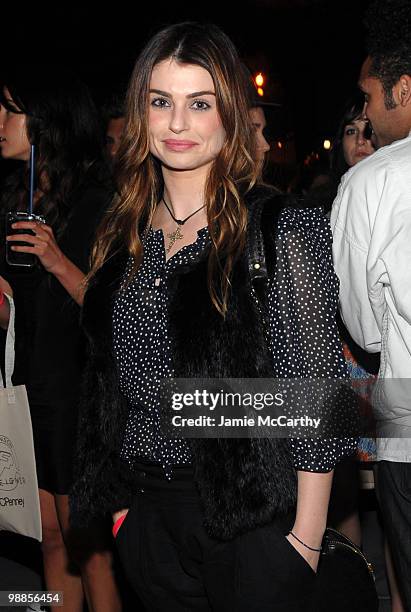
(311, 557)
(119, 514)
(118, 519)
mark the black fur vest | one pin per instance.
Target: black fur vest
(243, 483)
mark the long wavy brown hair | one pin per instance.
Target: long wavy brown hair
(231, 176)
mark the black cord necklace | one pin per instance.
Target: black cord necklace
(178, 234)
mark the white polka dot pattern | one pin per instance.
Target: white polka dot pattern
(143, 352)
(302, 306)
(302, 303)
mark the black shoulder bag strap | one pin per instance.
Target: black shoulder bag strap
(262, 231)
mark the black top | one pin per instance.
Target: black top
(304, 301)
(48, 338)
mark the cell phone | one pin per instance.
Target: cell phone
(13, 258)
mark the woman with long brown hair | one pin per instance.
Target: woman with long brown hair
(222, 524)
(55, 114)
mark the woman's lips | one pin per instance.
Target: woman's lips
(179, 145)
(362, 154)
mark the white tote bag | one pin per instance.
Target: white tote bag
(19, 496)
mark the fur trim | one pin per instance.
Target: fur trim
(243, 483)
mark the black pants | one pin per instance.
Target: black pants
(393, 482)
(174, 566)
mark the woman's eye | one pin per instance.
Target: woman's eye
(160, 102)
(350, 131)
(200, 105)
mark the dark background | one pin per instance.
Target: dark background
(310, 50)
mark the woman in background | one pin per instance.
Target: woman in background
(57, 115)
(352, 144)
(353, 141)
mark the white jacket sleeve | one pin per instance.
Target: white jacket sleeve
(389, 260)
(351, 222)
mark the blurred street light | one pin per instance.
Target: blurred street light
(259, 80)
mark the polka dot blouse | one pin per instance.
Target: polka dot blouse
(302, 297)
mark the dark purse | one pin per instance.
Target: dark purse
(345, 579)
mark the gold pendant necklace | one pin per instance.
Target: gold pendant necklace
(177, 234)
(174, 236)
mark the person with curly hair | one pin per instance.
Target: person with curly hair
(371, 221)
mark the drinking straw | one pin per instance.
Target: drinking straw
(31, 179)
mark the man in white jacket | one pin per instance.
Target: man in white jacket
(371, 223)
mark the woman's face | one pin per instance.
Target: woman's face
(114, 134)
(355, 146)
(13, 134)
(185, 128)
(257, 117)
